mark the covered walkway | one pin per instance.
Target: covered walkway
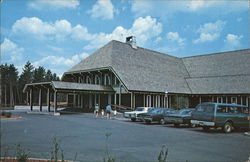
(83, 94)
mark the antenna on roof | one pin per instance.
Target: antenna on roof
(132, 41)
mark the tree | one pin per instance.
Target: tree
(48, 76)
(39, 74)
(25, 77)
(9, 77)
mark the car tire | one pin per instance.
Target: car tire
(162, 122)
(191, 125)
(176, 125)
(227, 127)
(148, 122)
(205, 128)
(133, 119)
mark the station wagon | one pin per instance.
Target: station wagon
(220, 115)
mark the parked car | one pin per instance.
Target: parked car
(133, 114)
(182, 116)
(220, 115)
(157, 115)
(140, 117)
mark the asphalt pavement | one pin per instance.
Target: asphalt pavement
(88, 139)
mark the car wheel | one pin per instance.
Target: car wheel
(133, 119)
(148, 122)
(205, 128)
(191, 125)
(227, 127)
(162, 122)
(176, 125)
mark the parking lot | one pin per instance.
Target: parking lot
(83, 137)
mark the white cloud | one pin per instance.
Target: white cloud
(53, 4)
(143, 29)
(10, 50)
(42, 30)
(167, 8)
(60, 60)
(102, 9)
(174, 36)
(210, 31)
(232, 42)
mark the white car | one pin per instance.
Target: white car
(133, 114)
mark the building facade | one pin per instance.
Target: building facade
(127, 76)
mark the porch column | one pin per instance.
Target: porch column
(74, 100)
(144, 100)
(226, 99)
(81, 100)
(55, 101)
(27, 97)
(241, 100)
(40, 100)
(246, 100)
(115, 98)
(78, 102)
(48, 99)
(31, 99)
(90, 101)
(134, 101)
(120, 97)
(109, 99)
(200, 99)
(67, 99)
(170, 101)
(131, 100)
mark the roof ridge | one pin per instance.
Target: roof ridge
(217, 53)
(216, 76)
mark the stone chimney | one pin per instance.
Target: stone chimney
(132, 41)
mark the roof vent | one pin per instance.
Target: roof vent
(132, 41)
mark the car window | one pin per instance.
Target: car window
(139, 109)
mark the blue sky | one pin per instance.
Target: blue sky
(60, 33)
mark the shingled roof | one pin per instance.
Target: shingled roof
(139, 69)
(219, 73)
(146, 70)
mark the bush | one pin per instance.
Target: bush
(7, 114)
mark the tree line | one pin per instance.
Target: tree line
(12, 84)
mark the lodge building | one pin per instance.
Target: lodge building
(128, 76)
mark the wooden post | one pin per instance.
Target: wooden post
(55, 101)
(120, 97)
(131, 100)
(74, 100)
(31, 99)
(48, 99)
(115, 98)
(40, 100)
(27, 98)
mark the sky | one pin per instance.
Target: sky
(57, 34)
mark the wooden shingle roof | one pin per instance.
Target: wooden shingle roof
(146, 70)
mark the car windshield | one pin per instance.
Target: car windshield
(155, 111)
(139, 109)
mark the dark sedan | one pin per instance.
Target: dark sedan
(182, 116)
(157, 115)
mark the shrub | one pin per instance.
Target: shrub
(21, 154)
(8, 114)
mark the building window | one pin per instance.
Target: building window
(88, 80)
(97, 79)
(219, 99)
(148, 103)
(106, 79)
(234, 100)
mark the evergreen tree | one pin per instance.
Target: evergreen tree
(48, 76)
(39, 74)
(25, 78)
